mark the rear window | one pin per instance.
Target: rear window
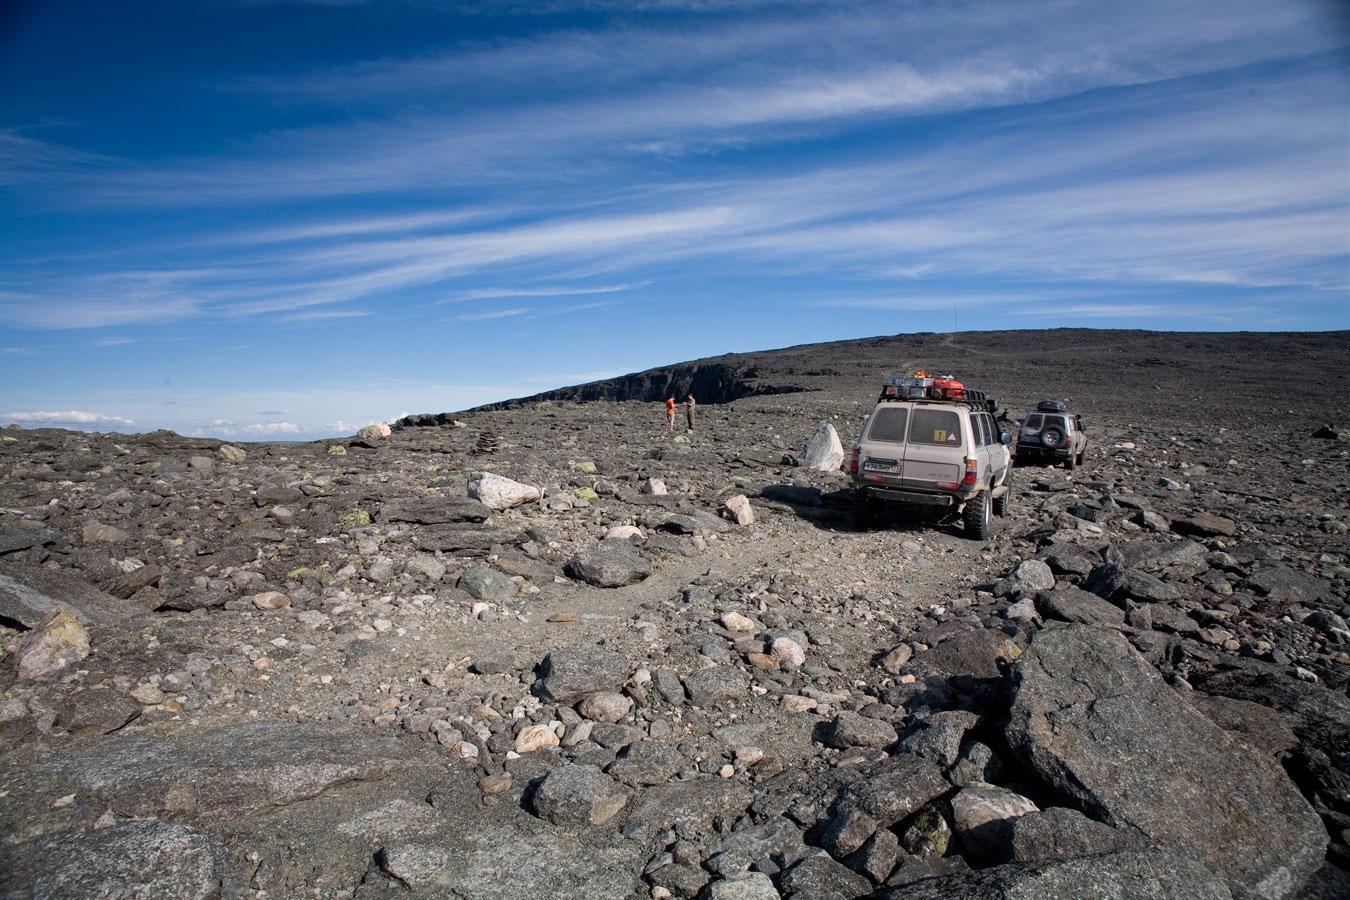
(889, 424)
(941, 427)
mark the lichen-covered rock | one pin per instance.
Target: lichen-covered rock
(50, 649)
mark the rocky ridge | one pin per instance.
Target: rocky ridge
(545, 650)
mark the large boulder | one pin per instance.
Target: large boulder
(823, 451)
(1100, 725)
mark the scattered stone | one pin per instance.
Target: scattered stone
(852, 730)
(270, 600)
(573, 673)
(738, 510)
(1026, 579)
(1205, 525)
(574, 795)
(488, 584)
(609, 564)
(498, 493)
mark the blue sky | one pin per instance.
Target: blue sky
(283, 220)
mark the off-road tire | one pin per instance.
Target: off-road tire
(1052, 438)
(864, 512)
(1072, 462)
(976, 516)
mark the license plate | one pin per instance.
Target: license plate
(879, 465)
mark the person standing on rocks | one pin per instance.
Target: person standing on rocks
(670, 413)
(689, 411)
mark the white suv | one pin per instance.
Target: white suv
(933, 454)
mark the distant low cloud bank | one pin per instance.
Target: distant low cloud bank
(74, 419)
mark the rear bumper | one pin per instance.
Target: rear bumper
(894, 495)
(1027, 450)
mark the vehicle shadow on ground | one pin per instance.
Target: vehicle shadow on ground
(833, 511)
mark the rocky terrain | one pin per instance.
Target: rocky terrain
(542, 649)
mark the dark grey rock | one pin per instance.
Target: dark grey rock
(101, 710)
(1094, 720)
(29, 594)
(739, 850)
(1282, 583)
(972, 651)
(1205, 525)
(716, 685)
(578, 795)
(1259, 726)
(847, 832)
(938, 737)
(457, 539)
(1069, 565)
(1126, 875)
(695, 522)
(1329, 624)
(819, 875)
(24, 539)
(486, 583)
(1071, 604)
(878, 857)
(849, 729)
(1318, 715)
(696, 804)
(1028, 577)
(135, 580)
(1117, 583)
(134, 859)
(232, 771)
(609, 564)
(434, 510)
(572, 673)
(669, 686)
(894, 789)
(647, 763)
(1063, 833)
(978, 762)
(495, 663)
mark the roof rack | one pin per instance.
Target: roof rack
(934, 389)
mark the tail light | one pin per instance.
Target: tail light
(853, 462)
(971, 470)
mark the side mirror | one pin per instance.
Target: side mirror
(1005, 438)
